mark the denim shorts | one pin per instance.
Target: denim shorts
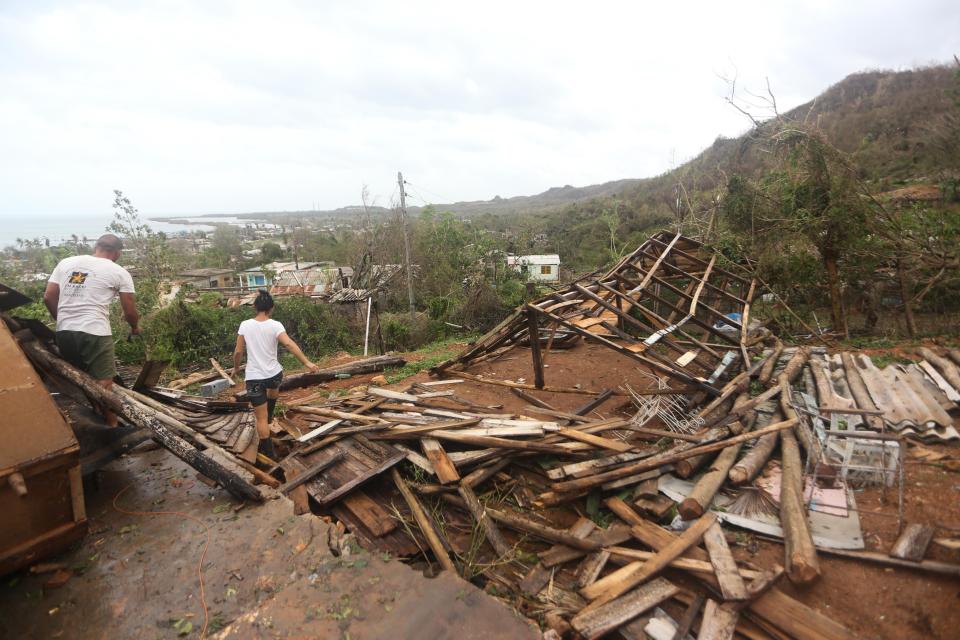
(257, 389)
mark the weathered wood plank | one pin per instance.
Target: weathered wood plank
(725, 567)
(596, 622)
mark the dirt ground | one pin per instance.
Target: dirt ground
(270, 574)
(266, 574)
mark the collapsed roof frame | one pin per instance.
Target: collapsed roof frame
(648, 305)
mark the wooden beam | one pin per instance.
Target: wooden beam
(426, 527)
(667, 458)
(635, 573)
(533, 330)
(487, 526)
(596, 622)
(725, 567)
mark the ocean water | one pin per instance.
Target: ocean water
(58, 230)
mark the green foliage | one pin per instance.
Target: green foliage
(271, 251)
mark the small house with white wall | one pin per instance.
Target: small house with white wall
(537, 268)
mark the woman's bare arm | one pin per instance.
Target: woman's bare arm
(292, 347)
(237, 356)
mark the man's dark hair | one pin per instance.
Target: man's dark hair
(264, 301)
(109, 242)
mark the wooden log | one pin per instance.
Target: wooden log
(666, 458)
(426, 527)
(700, 497)
(725, 567)
(925, 566)
(859, 390)
(628, 577)
(766, 371)
(357, 367)
(795, 365)
(442, 466)
(489, 528)
(501, 443)
(596, 622)
(596, 441)
(806, 438)
(913, 542)
(519, 523)
(533, 330)
(748, 467)
(223, 374)
(142, 416)
(801, 554)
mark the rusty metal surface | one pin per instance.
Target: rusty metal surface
(31, 427)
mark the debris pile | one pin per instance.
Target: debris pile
(607, 516)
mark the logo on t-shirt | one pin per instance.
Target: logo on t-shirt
(78, 277)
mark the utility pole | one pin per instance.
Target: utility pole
(406, 245)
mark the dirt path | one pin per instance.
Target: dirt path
(266, 573)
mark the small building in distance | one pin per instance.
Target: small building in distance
(266, 275)
(537, 268)
(207, 278)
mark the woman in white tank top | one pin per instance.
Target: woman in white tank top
(259, 337)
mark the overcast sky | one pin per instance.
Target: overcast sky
(206, 106)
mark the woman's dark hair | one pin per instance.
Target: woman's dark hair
(264, 301)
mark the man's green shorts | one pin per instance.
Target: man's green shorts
(87, 352)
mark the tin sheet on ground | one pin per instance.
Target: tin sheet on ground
(835, 532)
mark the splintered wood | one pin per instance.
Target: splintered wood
(558, 498)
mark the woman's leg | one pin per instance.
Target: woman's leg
(272, 395)
(263, 426)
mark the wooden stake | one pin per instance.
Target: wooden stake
(490, 530)
(426, 527)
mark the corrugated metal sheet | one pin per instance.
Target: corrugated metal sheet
(911, 401)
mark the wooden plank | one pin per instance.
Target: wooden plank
(597, 441)
(293, 469)
(319, 431)
(223, 374)
(774, 607)
(595, 622)
(589, 570)
(626, 578)
(374, 517)
(687, 564)
(426, 527)
(362, 460)
(616, 534)
(689, 616)
(535, 580)
(442, 466)
(308, 473)
(392, 395)
(912, 543)
(490, 530)
(725, 567)
(718, 622)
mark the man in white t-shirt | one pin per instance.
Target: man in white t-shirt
(78, 296)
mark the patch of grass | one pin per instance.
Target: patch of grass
(882, 360)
